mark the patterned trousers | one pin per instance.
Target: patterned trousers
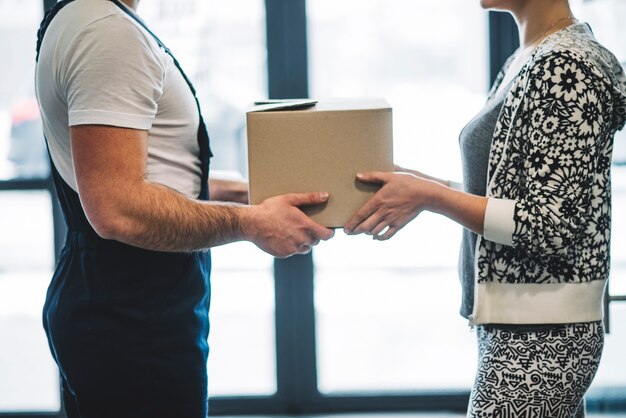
(535, 373)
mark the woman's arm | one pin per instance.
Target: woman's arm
(564, 121)
(561, 149)
(403, 196)
(447, 183)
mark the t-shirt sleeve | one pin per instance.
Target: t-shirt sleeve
(110, 75)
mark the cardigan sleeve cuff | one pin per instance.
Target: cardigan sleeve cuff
(499, 224)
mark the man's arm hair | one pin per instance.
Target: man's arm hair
(165, 220)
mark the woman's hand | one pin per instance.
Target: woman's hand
(402, 197)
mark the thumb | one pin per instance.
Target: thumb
(373, 177)
(306, 199)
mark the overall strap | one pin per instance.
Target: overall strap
(158, 41)
(50, 14)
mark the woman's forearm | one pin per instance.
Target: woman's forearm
(447, 183)
(463, 208)
(422, 175)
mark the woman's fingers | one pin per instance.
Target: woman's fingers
(368, 224)
(362, 214)
(374, 177)
(379, 228)
(388, 234)
(370, 207)
(395, 204)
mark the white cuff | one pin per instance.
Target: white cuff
(499, 224)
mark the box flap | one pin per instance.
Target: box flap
(354, 104)
(287, 104)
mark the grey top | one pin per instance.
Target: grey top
(475, 143)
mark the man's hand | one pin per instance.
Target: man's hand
(280, 228)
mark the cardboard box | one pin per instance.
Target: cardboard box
(301, 146)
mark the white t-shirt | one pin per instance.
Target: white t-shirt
(98, 66)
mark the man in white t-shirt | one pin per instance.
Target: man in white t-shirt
(126, 311)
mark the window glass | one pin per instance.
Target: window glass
(242, 360)
(221, 46)
(22, 149)
(387, 313)
(606, 18)
(29, 380)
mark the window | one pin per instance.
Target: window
(26, 237)
(22, 150)
(381, 318)
(221, 46)
(605, 19)
(26, 260)
(387, 313)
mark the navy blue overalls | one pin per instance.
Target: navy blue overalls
(128, 327)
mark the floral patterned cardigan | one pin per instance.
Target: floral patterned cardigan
(544, 255)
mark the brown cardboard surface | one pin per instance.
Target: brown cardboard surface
(320, 149)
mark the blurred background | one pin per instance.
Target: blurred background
(358, 325)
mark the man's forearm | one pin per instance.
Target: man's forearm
(154, 217)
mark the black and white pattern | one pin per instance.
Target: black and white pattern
(551, 154)
(535, 374)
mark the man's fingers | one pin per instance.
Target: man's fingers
(304, 249)
(306, 199)
(319, 232)
(328, 234)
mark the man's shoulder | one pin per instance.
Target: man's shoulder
(99, 20)
(81, 13)
(86, 29)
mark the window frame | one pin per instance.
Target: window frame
(297, 392)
